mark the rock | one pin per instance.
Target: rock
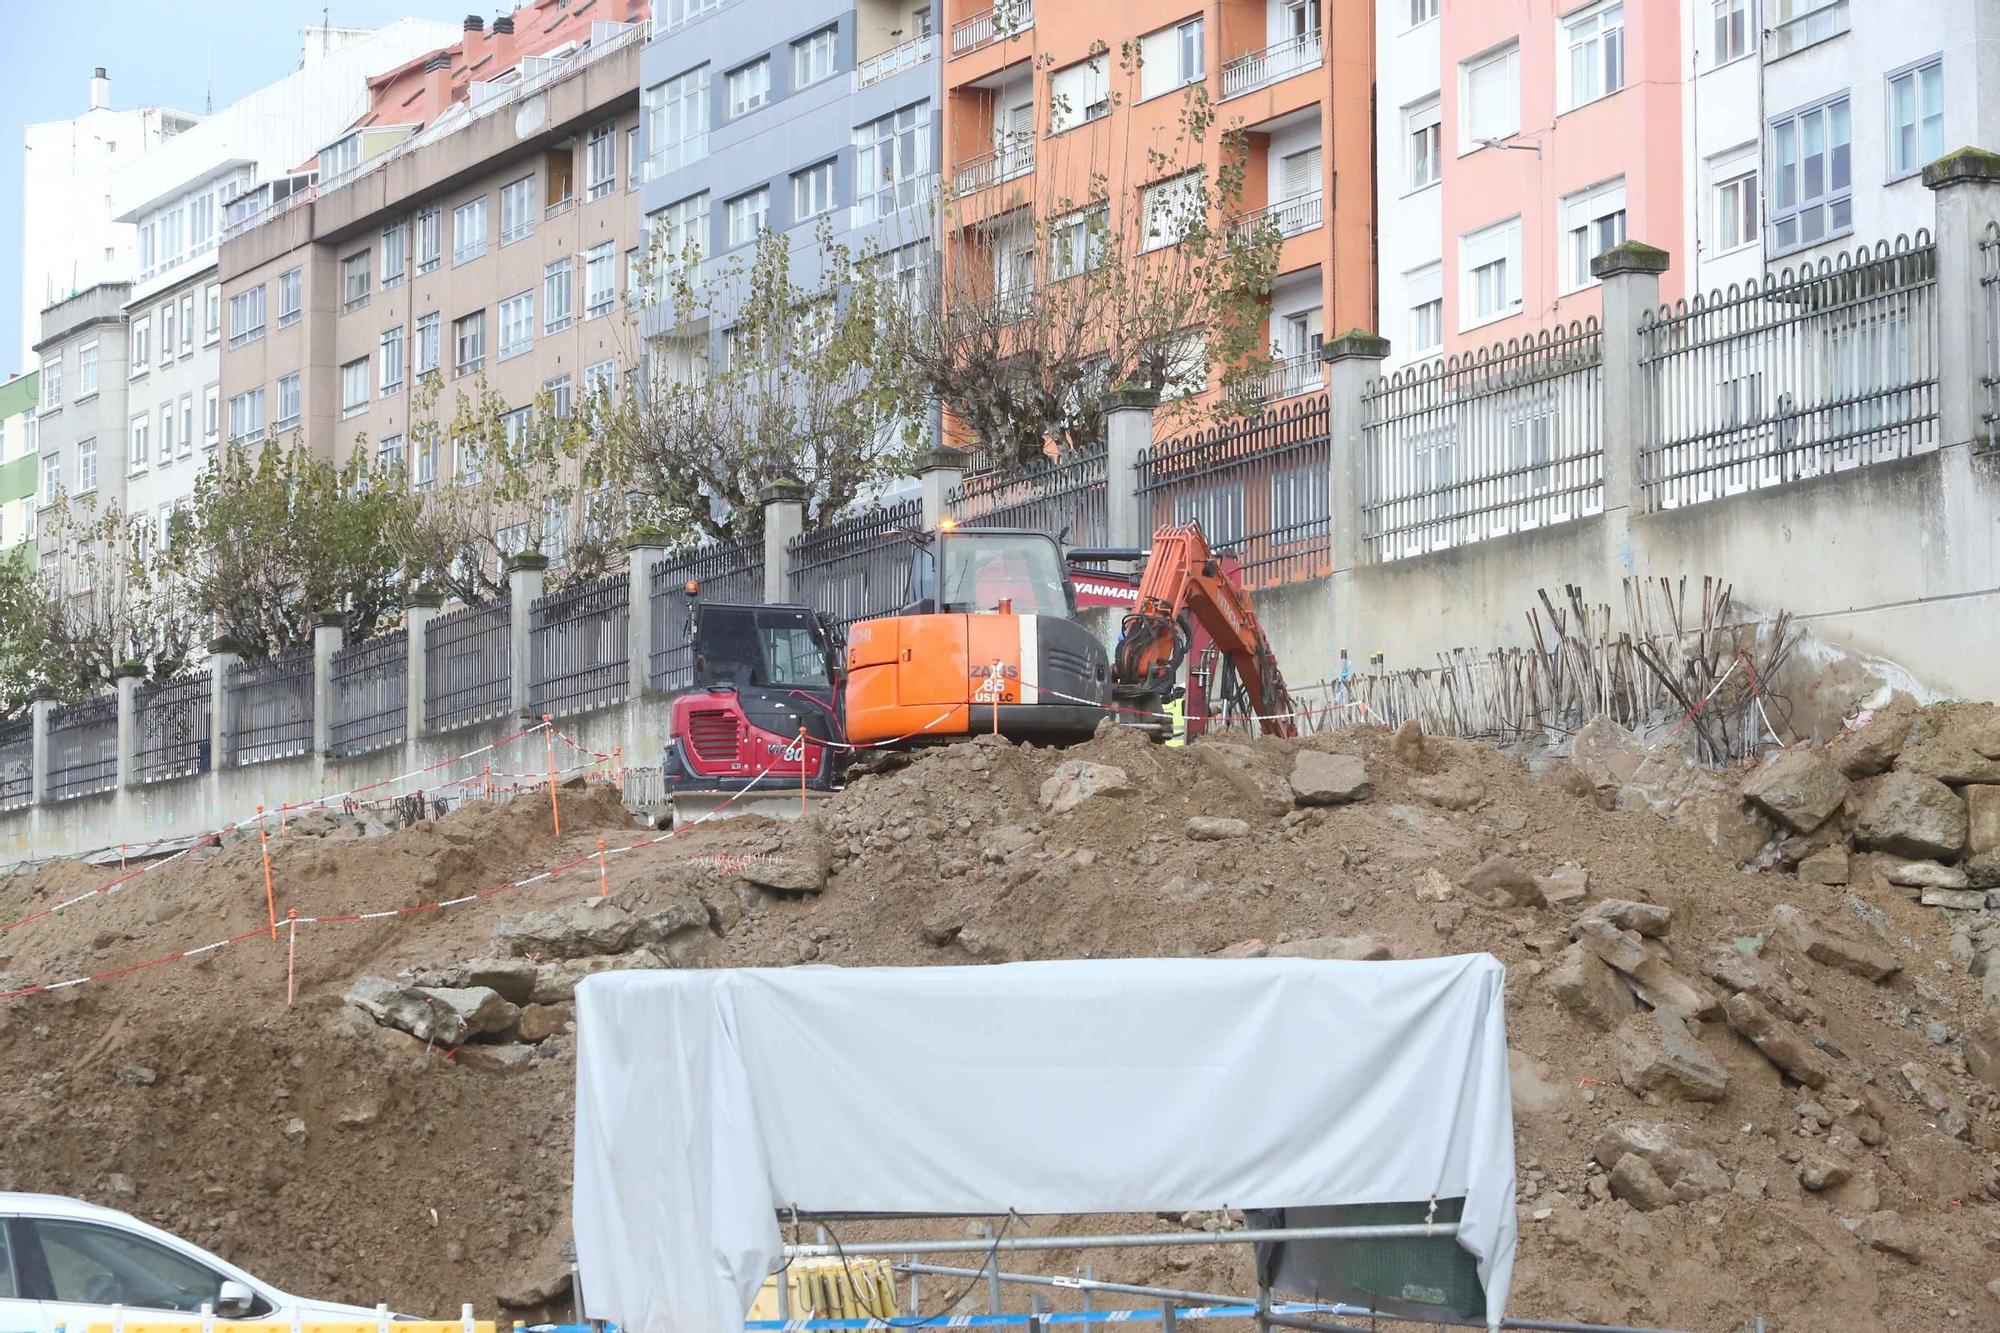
(574, 930)
(1937, 1099)
(138, 1076)
(1920, 874)
(551, 1285)
(1829, 865)
(1533, 1090)
(1499, 881)
(512, 978)
(539, 1022)
(1982, 1051)
(407, 1008)
(1408, 744)
(1960, 900)
(480, 1011)
(1432, 886)
(1584, 984)
(1982, 813)
(1799, 788)
(1780, 1043)
(1359, 948)
(1658, 1057)
(1983, 871)
(1952, 744)
(1689, 1170)
(784, 874)
(1864, 959)
(1607, 755)
(1244, 771)
(1749, 1186)
(1216, 828)
(682, 930)
(1911, 815)
(1449, 791)
(1873, 746)
(1636, 1182)
(1567, 883)
(555, 982)
(1655, 980)
(123, 1185)
(1240, 949)
(1319, 778)
(1818, 1171)
(1731, 825)
(1888, 1232)
(500, 1059)
(1624, 914)
(1078, 780)
(295, 1130)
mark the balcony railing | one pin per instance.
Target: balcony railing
(988, 26)
(1259, 69)
(1828, 20)
(1290, 376)
(895, 60)
(1010, 161)
(1288, 216)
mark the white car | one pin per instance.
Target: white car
(65, 1263)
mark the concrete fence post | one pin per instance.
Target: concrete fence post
(526, 572)
(329, 636)
(784, 504)
(222, 659)
(1128, 434)
(1353, 361)
(643, 550)
(39, 711)
(1965, 191)
(1630, 274)
(419, 610)
(126, 681)
(940, 472)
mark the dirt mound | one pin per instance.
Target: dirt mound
(1739, 1092)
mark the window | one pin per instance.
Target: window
(597, 378)
(427, 345)
(140, 451)
(468, 231)
(426, 478)
(1171, 58)
(468, 461)
(1423, 135)
(558, 293)
(514, 431)
(687, 224)
(392, 361)
(395, 254)
(52, 383)
(87, 1263)
(246, 316)
(187, 323)
(557, 390)
(430, 238)
(1013, 246)
(343, 155)
(812, 192)
(288, 396)
(1916, 118)
(517, 210)
(166, 333)
(290, 296)
(51, 478)
(1489, 96)
(1593, 221)
(555, 529)
(1422, 11)
(1735, 208)
(213, 299)
(749, 87)
(353, 388)
(890, 158)
(211, 415)
(812, 57)
(86, 467)
(468, 340)
(600, 161)
(748, 214)
(1811, 176)
(677, 121)
(517, 325)
(1426, 300)
(1076, 242)
(389, 453)
(142, 346)
(166, 433)
(86, 369)
(1734, 32)
(1079, 93)
(600, 278)
(1173, 209)
(354, 274)
(1490, 264)
(187, 424)
(1592, 63)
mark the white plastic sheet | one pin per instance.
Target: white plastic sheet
(708, 1101)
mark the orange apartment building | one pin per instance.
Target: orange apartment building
(1035, 91)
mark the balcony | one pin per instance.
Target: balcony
(1288, 377)
(895, 60)
(975, 32)
(1288, 217)
(1261, 69)
(1814, 22)
(1008, 162)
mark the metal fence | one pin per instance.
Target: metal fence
(17, 763)
(271, 707)
(1831, 367)
(1064, 498)
(370, 693)
(173, 722)
(858, 567)
(1500, 440)
(578, 642)
(467, 665)
(1989, 289)
(83, 748)
(1260, 486)
(726, 571)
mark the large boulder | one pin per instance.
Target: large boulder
(1955, 743)
(1873, 746)
(1982, 812)
(1589, 987)
(1688, 1170)
(1216, 828)
(1319, 778)
(784, 874)
(1911, 815)
(443, 1014)
(481, 1011)
(1607, 755)
(1078, 780)
(1634, 1181)
(1652, 977)
(1658, 1058)
(1238, 765)
(1781, 1043)
(1864, 959)
(1799, 788)
(574, 930)
(1499, 881)
(1624, 914)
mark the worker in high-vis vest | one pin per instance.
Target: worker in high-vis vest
(1177, 721)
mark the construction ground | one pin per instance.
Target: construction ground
(1756, 1062)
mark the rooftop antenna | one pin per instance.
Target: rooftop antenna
(208, 100)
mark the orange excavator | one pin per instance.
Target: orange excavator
(989, 642)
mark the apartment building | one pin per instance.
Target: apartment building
(71, 240)
(479, 243)
(82, 417)
(20, 428)
(1044, 108)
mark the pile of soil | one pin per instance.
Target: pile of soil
(348, 1160)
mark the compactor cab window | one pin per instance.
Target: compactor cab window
(983, 569)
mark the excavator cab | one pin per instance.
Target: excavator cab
(763, 703)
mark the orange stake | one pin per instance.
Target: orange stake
(121, 856)
(603, 877)
(291, 955)
(618, 767)
(555, 810)
(270, 898)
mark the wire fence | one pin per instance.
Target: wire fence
(858, 567)
(271, 707)
(83, 748)
(578, 641)
(468, 660)
(725, 572)
(370, 690)
(1066, 498)
(1829, 367)
(17, 763)
(173, 721)
(1501, 440)
(1989, 303)
(1260, 486)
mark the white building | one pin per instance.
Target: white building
(1409, 175)
(70, 240)
(1722, 239)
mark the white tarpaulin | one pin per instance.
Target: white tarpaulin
(708, 1101)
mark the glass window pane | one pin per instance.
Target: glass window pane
(96, 1265)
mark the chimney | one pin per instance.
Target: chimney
(501, 43)
(100, 90)
(474, 23)
(437, 85)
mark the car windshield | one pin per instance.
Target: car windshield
(748, 646)
(981, 569)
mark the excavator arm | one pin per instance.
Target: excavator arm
(1182, 579)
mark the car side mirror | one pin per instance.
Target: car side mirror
(234, 1300)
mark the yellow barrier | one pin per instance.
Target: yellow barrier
(825, 1289)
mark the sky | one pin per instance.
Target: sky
(169, 53)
